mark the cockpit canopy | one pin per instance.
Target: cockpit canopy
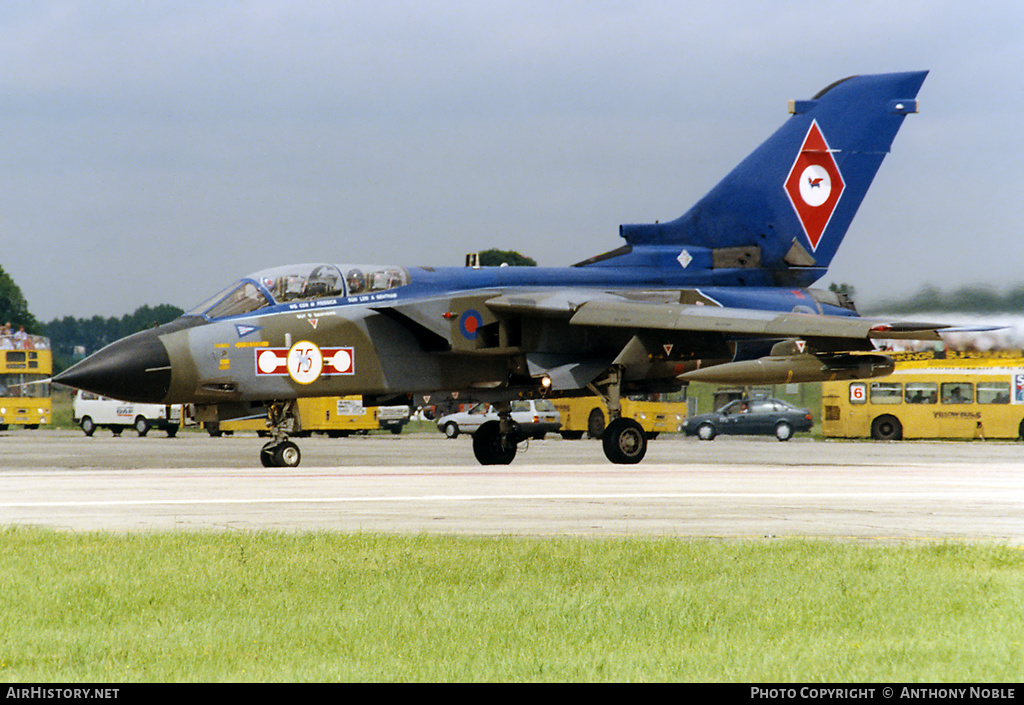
(300, 282)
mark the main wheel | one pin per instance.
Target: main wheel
(887, 428)
(783, 431)
(624, 441)
(491, 447)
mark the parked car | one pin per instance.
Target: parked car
(751, 417)
(535, 418)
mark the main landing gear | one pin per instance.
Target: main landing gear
(281, 452)
(496, 442)
(623, 441)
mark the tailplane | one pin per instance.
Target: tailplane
(788, 205)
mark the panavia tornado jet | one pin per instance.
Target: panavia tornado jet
(720, 294)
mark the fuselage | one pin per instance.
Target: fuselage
(225, 349)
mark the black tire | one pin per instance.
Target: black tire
(287, 455)
(141, 426)
(571, 435)
(88, 426)
(624, 442)
(706, 432)
(451, 429)
(267, 455)
(492, 448)
(595, 423)
(887, 428)
(280, 455)
(172, 430)
(783, 431)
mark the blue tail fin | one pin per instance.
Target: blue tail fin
(794, 197)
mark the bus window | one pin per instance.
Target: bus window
(886, 392)
(993, 392)
(957, 392)
(922, 393)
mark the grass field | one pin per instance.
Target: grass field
(100, 607)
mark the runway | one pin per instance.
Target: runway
(424, 483)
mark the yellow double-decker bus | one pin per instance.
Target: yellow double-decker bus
(26, 365)
(931, 394)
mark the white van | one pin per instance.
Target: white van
(92, 411)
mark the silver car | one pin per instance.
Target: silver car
(535, 417)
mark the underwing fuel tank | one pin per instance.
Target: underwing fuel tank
(784, 369)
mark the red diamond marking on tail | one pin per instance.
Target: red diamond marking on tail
(814, 185)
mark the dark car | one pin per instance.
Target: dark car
(751, 417)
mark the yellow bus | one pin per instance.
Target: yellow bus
(590, 415)
(26, 366)
(931, 394)
(336, 416)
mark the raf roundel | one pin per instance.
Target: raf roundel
(469, 324)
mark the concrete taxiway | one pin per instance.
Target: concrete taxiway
(420, 482)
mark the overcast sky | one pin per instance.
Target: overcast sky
(154, 151)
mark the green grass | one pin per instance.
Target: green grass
(100, 607)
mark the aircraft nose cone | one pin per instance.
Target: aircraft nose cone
(136, 368)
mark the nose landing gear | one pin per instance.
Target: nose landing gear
(281, 452)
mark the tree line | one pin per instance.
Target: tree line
(966, 299)
(72, 338)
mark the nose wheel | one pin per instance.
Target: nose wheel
(280, 454)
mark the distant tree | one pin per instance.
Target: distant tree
(90, 334)
(496, 258)
(13, 307)
(981, 299)
(978, 298)
(848, 289)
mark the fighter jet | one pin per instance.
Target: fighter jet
(722, 294)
